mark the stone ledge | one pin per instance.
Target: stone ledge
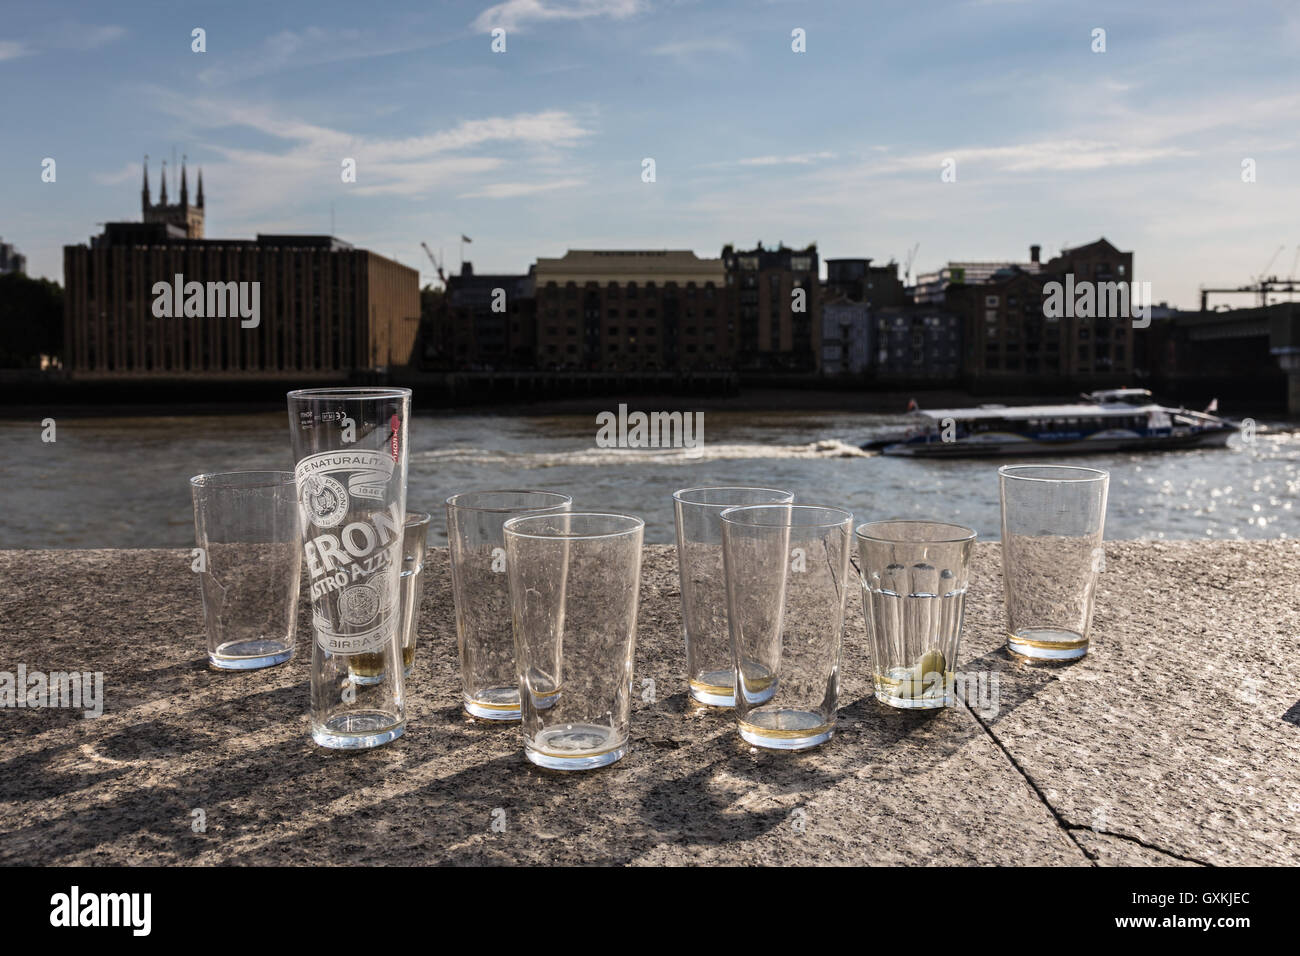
(1176, 741)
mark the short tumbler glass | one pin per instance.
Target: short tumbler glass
(709, 669)
(481, 592)
(574, 585)
(1053, 517)
(249, 563)
(787, 569)
(914, 576)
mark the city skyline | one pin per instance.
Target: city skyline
(540, 149)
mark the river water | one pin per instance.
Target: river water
(122, 482)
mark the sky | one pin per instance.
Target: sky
(541, 148)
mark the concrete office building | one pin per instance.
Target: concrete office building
(324, 310)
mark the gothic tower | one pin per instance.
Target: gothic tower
(183, 215)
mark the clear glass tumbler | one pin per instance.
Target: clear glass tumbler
(914, 576)
(249, 563)
(574, 585)
(1053, 517)
(369, 668)
(787, 568)
(481, 591)
(709, 669)
(350, 450)
(415, 544)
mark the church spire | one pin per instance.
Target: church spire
(162, 199)
(200, 198)
(185, 189)
(144, 190)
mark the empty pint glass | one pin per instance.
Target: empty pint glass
(787, 575)
(709, 669)
(574, 586)
(249, 564)
(1053, 517)
(349, 450)
(480, 588)
(415, 545)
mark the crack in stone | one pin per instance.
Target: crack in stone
(1061, 822)
(1142, 843)
(1066, 826)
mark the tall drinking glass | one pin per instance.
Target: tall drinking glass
(574, 583)
(349, 449)
(415, 545)
(369, 668)
(914, 576)
(1053, 517)
(249, 565)
(787, 568)
(481, 591)
(709, 668)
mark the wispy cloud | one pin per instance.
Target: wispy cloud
(311, 47)
(129, 172)
(62, 36)
(798, 159)
(514, 190)
(13, 49)
(1059, 155)
(685, 49)
(514, 14)
(79, 37)
(304, 155)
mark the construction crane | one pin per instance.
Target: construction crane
(442, 276)
(907, 264)
(1260, 277)
(1261, 288)
(1263, 283)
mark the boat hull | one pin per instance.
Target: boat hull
(1208, 438)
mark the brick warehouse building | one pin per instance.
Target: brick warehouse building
(490, 321)
(1007, 337)
(326, 309)
(645, 310)
(773, 335)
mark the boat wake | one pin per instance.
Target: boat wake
(826, 448)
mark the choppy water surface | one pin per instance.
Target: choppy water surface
(123, 483)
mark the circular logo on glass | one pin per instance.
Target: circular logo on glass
(359, 604)
(325, 500)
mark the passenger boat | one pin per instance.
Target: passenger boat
(1121, 419)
